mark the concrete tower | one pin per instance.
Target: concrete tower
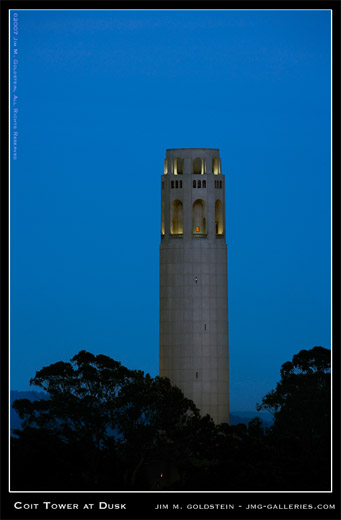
(193, 279)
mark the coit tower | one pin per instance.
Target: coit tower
(193, 279)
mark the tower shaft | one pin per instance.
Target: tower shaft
(193, 279)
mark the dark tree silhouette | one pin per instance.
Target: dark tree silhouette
(105, 427)
(301, 405)
(301, 401)
(100, 411)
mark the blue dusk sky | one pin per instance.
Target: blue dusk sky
(101, 96)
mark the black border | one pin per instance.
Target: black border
(142, 505)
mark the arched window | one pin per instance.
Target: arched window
(199, 218)
(219, 218)
(162, 217)
(199, 184)
(215, 166)
(178, 166)
(204, 184)
(198, 166)
(176, 225)
(194, 184)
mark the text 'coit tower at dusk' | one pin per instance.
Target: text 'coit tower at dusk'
(193, 279)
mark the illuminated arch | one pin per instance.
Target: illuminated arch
(219, 218)
(215, 166)
(199, 217)
(162, 217)
(178, 166)
(198, 166)
(176, 224)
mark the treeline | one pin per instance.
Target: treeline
(105, 427)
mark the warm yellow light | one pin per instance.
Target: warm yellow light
(197, 228)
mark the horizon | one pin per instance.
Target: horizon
(235, 413)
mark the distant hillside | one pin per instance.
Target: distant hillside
(235, 417)
(245, 417)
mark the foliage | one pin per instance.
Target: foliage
(97, 406)
(303, 393)
(105, 427)
(83, 396)
(301, 406)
